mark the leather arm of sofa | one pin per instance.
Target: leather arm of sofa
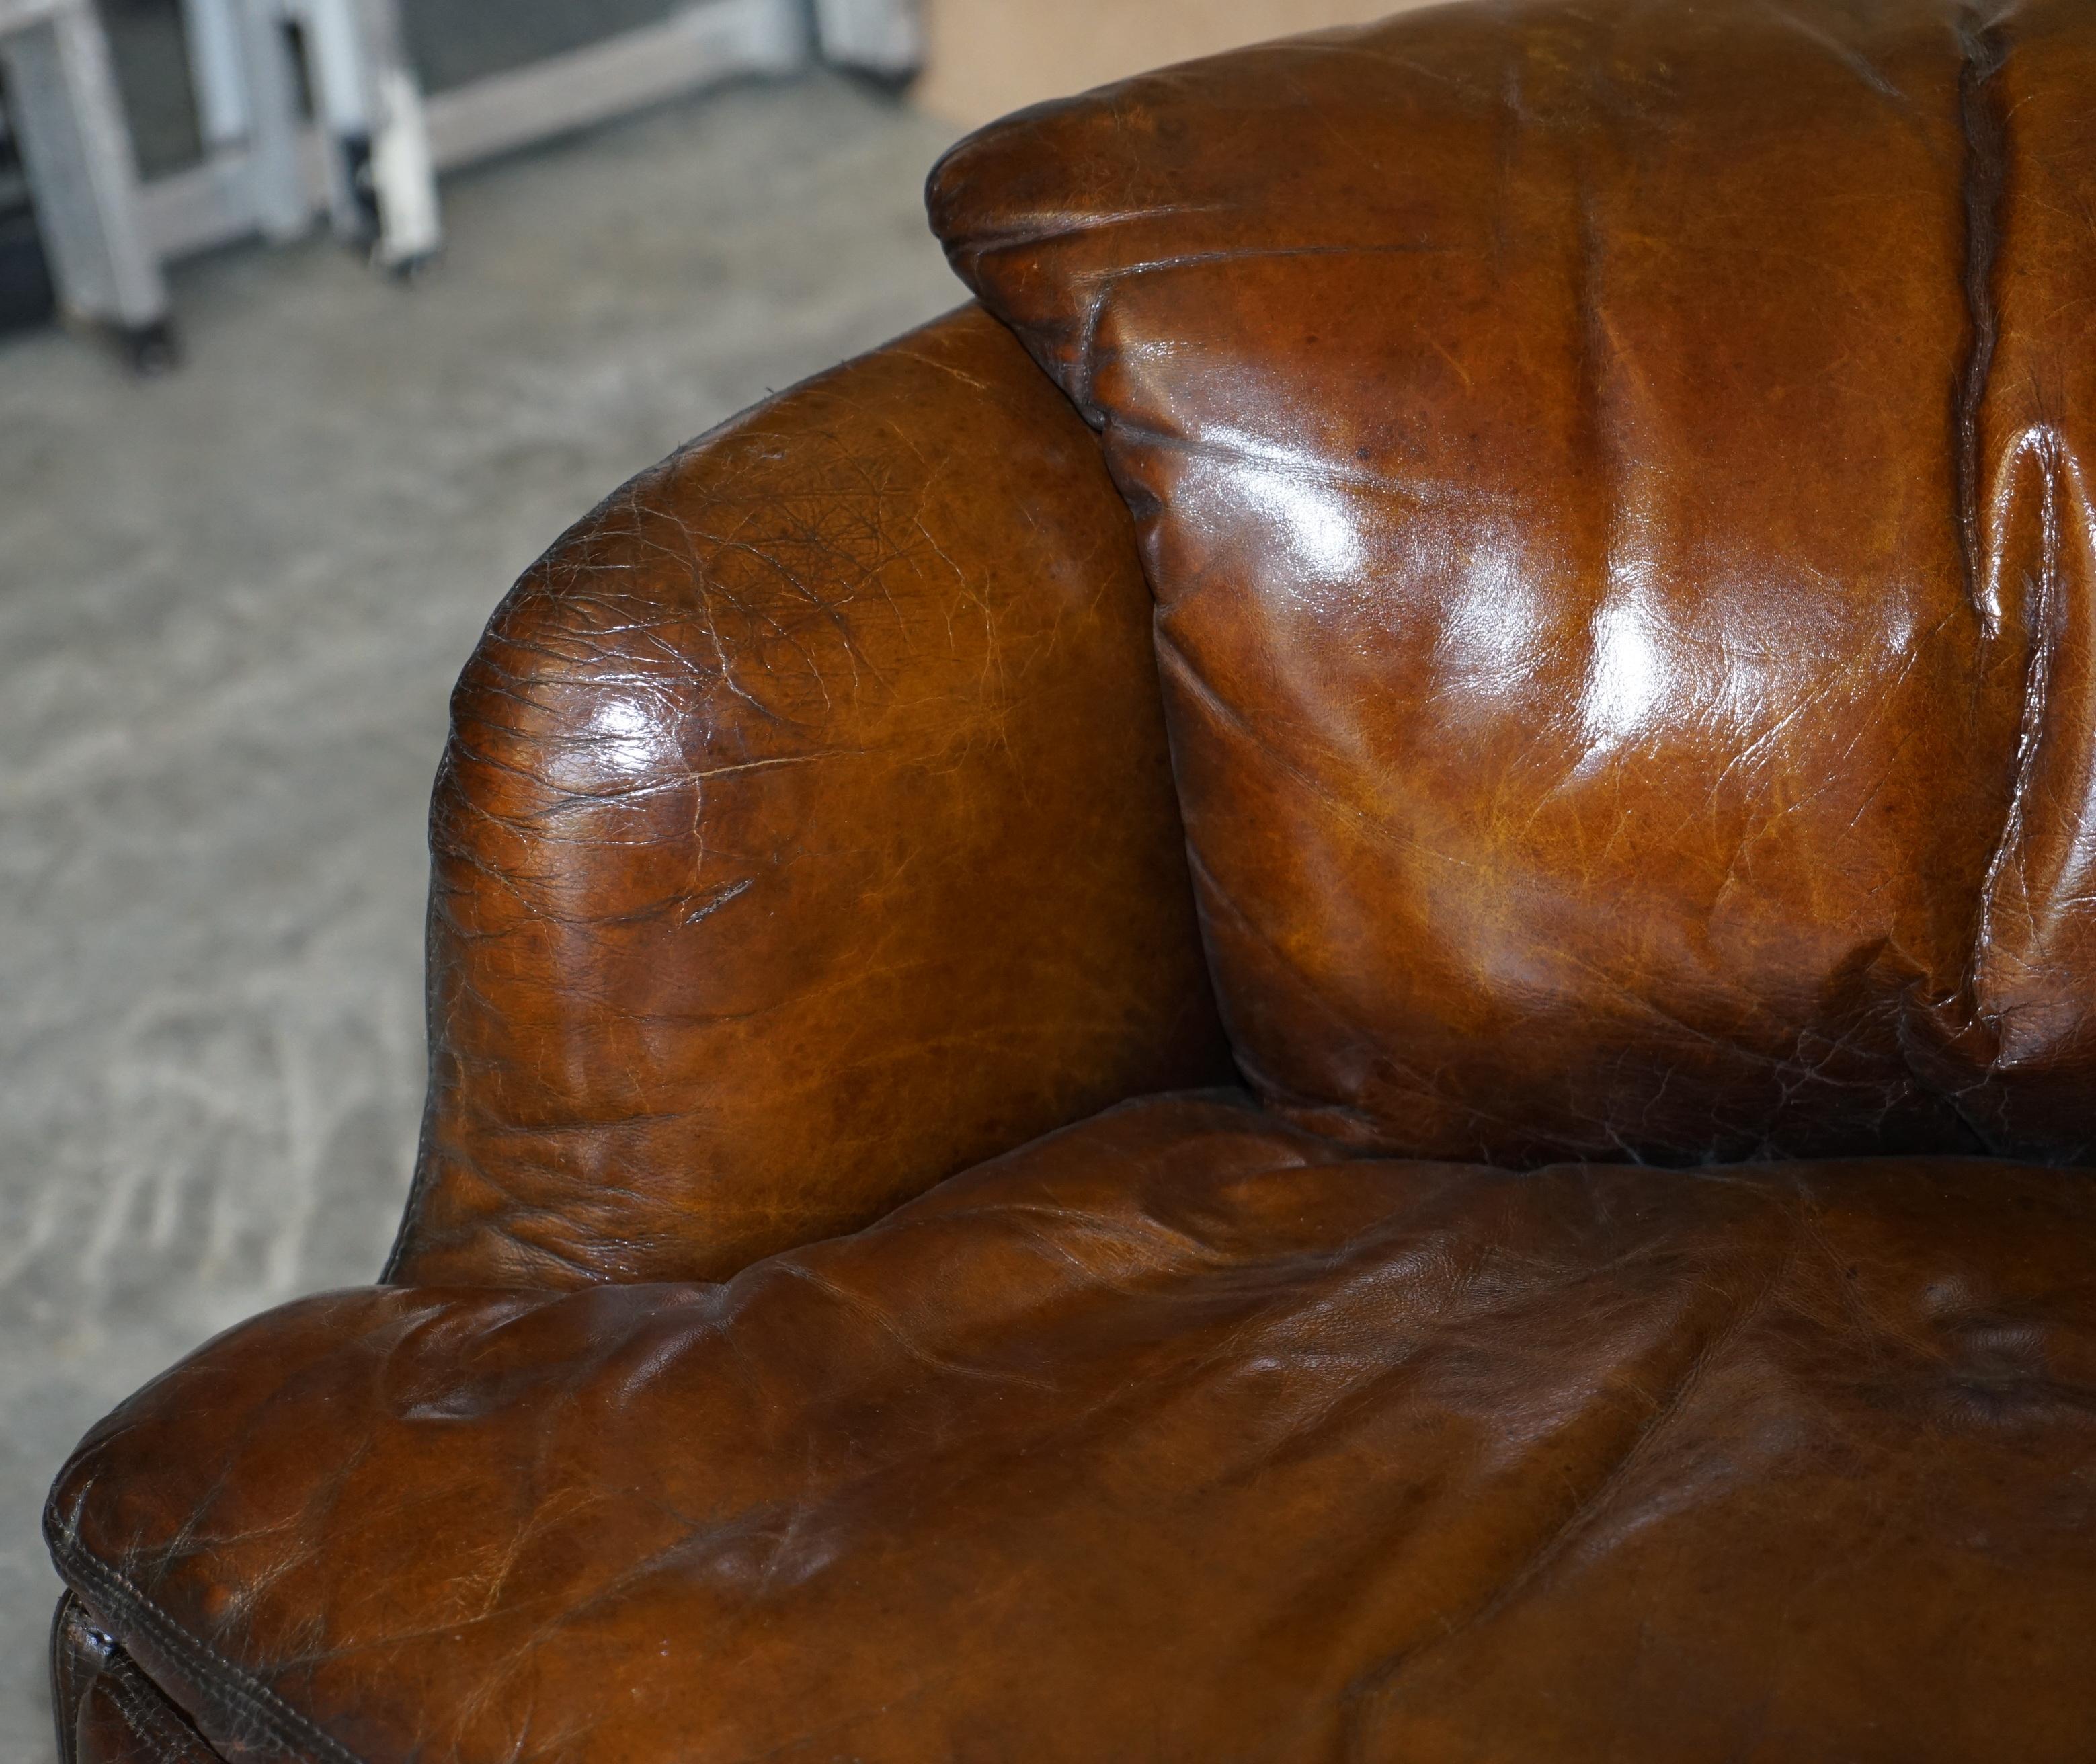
(806, 834)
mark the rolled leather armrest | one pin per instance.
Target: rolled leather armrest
(806, 834)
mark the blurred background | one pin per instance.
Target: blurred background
(319, 320)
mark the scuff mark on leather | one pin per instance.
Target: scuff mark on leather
(717, 898)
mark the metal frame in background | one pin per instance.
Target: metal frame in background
(884, 38)
(267, 172)
(370, 164)
(68, 125)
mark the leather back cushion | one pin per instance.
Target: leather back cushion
(1616, 481)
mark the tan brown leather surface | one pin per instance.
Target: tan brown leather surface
(108, 1711)
(806, 834)
(1617, 481)
(1178, 1435)
(1612, 478)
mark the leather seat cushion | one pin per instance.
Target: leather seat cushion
(1179, 1434)
(1619, 484)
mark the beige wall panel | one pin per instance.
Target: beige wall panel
(987, 57)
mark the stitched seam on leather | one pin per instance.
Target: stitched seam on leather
(139, 1702)
(282, 1724)
(142, 1732)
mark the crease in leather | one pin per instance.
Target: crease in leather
(1984, 48)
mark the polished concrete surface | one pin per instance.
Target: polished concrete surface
(232, 603)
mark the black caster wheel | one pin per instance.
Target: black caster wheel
(149, 351)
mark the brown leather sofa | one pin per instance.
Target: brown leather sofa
(1360, 1029)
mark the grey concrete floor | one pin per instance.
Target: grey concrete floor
(232, 603)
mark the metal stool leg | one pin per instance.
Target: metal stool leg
(882, 38)
(82, 178)
(381, 178)
(403, 167)
(276, 166)
(218, 74)
(336, 65)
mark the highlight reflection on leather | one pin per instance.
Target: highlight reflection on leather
(807, 835)
(1615, 483)
(1611, 479)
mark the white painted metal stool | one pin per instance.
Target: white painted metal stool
(376, 167)
(369, 155)
(883, 38)
(75, 149)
